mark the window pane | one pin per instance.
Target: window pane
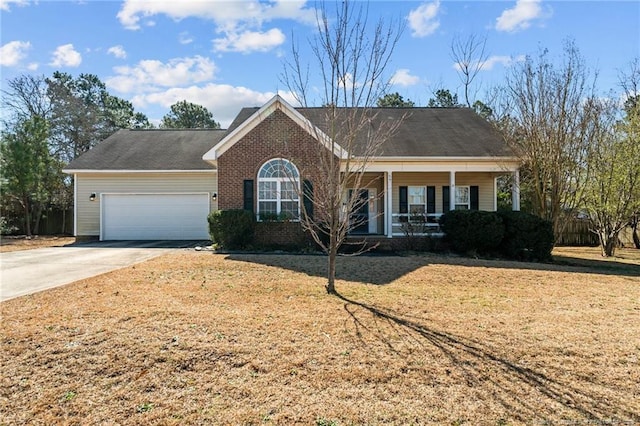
(268, 207)
(267, 190)
(290, 209)
(417, 209)
(416, 194)
(288, 191)
(462, 195)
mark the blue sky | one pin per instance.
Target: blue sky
(229, 54)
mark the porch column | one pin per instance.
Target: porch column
(515, 191)
(388, 209)
(452, 190)
(495, 194)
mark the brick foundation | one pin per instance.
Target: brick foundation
(283, 235)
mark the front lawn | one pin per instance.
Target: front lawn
(200, 338)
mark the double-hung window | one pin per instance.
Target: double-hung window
(416, 199)
(278, 189)
(463, 198)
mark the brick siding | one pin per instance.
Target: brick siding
(277, 136)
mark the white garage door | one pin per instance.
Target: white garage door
(155, 216)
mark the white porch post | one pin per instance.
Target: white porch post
(495, 194)
(388, 210)
(515, 192)
(452, 190)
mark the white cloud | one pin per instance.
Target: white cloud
(224, 101)
(227, 15)
(185, 38)
(5, 4)
(249, 41)
(33, 66)
(402, 77)
(117, 51)
(494, 60)
(66, 56)
(423, 21)
(13, 52)
(520, 16)
(149, 75)
(239, 23)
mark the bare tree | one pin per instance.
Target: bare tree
(469, 56)
(550, 124)
(630, 83)
(613, 190)
(350, 57)
(25, 97)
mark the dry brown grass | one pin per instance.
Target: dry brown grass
(200, 338)
(9, 243)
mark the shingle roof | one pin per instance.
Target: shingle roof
(151, 150)
(425, 132)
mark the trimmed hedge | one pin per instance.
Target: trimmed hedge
(232, 229)
(511, 234)
(526, 237)
(472, 230)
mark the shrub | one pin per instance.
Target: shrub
(472, 230)
(232, 229)
(526, 237)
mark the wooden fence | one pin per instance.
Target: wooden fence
(53, 222)
(577, 233)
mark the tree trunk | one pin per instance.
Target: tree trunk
(634, 234)
(36, 215)
(331, 270)
(27, 217)
(608, 243)
(64, 221)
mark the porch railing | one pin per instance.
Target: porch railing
(412, 224)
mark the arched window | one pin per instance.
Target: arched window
(278, 189)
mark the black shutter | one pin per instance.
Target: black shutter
(307, 189)
(446, 200)
(431, 199)
(474, 198)
(247, 195)
(404, 200)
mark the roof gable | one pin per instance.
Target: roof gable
(241, 126)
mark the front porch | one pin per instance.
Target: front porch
(410, 203)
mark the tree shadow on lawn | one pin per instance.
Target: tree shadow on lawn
(598, 266)
(373, 269)
(504, 381)
(525, 392)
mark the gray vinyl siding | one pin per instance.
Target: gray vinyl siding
(88, 212)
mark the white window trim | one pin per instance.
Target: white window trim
(468, 204)
(409, 204)
(279, 181)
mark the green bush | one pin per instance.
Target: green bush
(472, 230)
(526, 237)
(232, 229)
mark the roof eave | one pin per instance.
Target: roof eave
(75, 171)
(274, 104)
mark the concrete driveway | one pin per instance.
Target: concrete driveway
(29, 271)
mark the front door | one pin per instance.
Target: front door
(360, 216)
